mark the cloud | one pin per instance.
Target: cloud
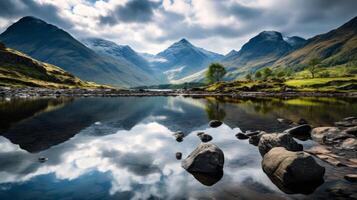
(19, 8)
(133, 11)
(152, 25)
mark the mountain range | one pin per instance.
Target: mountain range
(106, 62)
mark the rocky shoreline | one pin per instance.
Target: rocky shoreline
(45, 92)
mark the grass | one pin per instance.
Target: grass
(336, 84)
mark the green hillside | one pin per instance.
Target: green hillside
(19, 70)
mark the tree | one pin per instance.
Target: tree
(267, 72)
(215, 72)
(313, 64)
(248, 77)
(280, 74)
(258, 74)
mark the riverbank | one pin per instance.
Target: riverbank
(44, 92)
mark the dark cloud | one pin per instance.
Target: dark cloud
(14, 9)
(133, 11)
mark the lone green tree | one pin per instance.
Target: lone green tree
(248, 77)
(215, 72)
(258, 75)
(267, 72)
(313, 64)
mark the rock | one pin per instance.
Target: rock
(302, 130)
(178, 155)
(318, 150)
(42, 159)
(324, 134)
(293, 172)
(351, 131)
(208, 179)
(215, 123)
(205, 137)
(347, 122)
(349, 144)
(207, 158)
(302, 121)
(284, 121)
(200, 133)
(254, 139)
(351, 177)
(179, 136)
(242, 136)
(251, 133)
(269, 141)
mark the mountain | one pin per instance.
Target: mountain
(123, 53)
(18, 69)
(296, 41)
(182, 59)
(50, 44)
(336, 47)
(262, 50)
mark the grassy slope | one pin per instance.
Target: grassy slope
(19, 70)
(342, 84)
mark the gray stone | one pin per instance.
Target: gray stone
(206, 158)
(351, 131)
(215, 123)
(301, 130)
(205, 137)
(242, 136)
(269, 141)
(254, 139)
(293, 171)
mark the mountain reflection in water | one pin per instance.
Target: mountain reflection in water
(124, 147)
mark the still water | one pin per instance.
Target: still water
(123, 148)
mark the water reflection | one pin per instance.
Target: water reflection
(124, 147)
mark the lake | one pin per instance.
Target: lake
(123, 147)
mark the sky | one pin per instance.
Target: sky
(153, 25)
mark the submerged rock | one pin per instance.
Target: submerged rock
(347, 122)
(293, 172)
(351, 177)
(205, 137)
(349, 144)
(302, 121)
(215, 123)
(206, 158)
(328, 135)
(302, 130)
(284, 121)
(242, 136)
(351, 131)
(42, 159)
(178, 155)
(179, 135)
(269, 141)
(251, 133)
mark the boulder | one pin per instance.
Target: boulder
(215, 123)
(293, 172)
(242, 136)
(301, 130)
(207, 158)
(269, 141)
